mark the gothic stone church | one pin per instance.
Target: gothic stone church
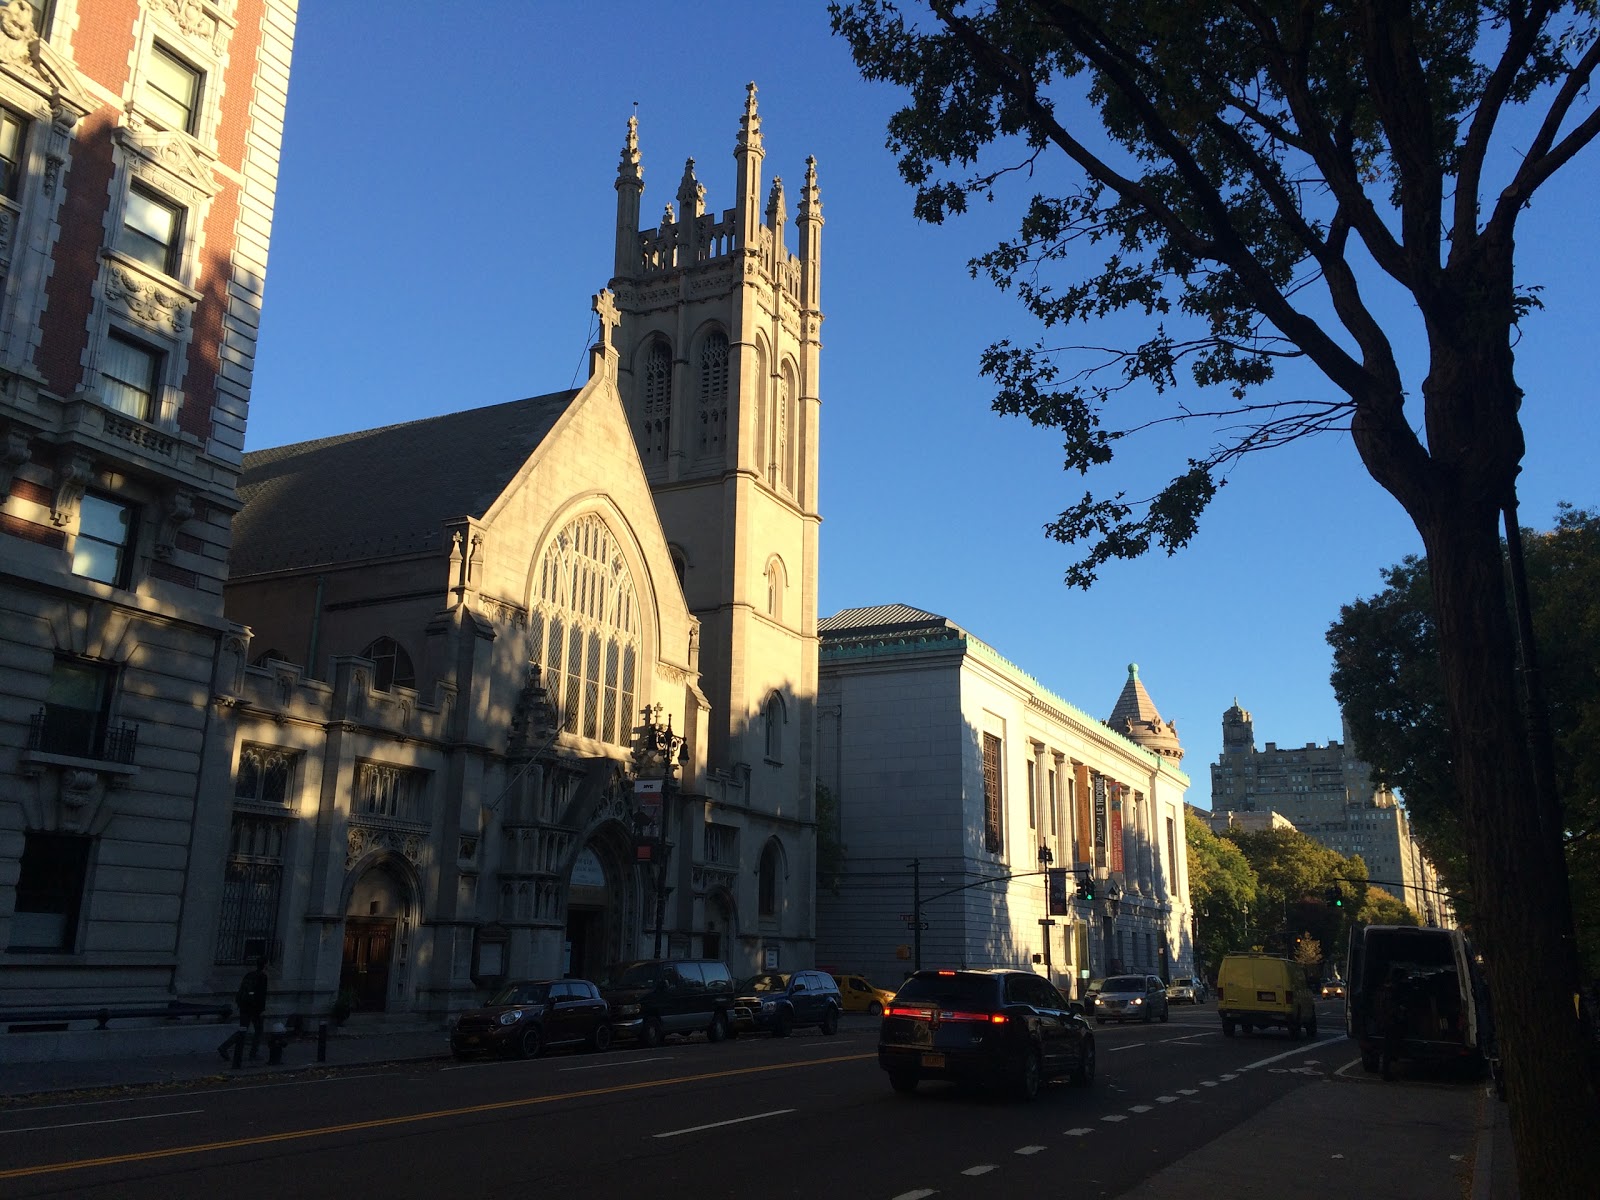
(527, 689)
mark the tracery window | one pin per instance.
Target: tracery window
(585, 631)
(252, 887)
(263, 775)
(391, 665)
(785, 437)
(767, 885)
(655, 431)
(713, 392)
(993, 837)
(391, 793)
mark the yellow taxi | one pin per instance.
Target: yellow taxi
(861, 995)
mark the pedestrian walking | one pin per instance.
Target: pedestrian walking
(252, 1002)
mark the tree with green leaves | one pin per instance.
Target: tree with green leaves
(1222, 889)
(1378, 907)
(1387, 680)
(1293, 873)
(1251, 176)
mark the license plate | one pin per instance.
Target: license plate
(935, 1061)
(1267, 997)
(471, 1041)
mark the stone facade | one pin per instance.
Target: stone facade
(1328, 794)
(138, 162)
(942, 754)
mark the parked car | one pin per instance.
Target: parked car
(861, 995)
(1255, 991)
(1131, 998)
(654, 997)
(778, 1003)
(1186, 989)
(999, 1028)
(1440, 996)
(528, 1016)
(1091, 990)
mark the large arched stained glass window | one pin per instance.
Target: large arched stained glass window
(584, 630)
(655, 429)
(713, 392)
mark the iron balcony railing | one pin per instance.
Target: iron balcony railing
(79, 736)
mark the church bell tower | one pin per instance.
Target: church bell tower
(719, 349)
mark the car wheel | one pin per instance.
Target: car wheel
(1227, 1028)
(1083, 1074)
(874, 1009)
(781, 1025)
(718, 1029)
(651, 1034)
(903, 1081)
(1029, 1075)
(830, 1021)
(1166, 1011)
(600, 1039)
(531, 1043)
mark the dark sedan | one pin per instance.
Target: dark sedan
(525, 1017)
(999, 1028)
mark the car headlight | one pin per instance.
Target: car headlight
(1097, 1000)
(628, 1010)
(511, 1016)
(766, 1004)
(1137, 1000)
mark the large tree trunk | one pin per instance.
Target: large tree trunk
(1515, 859)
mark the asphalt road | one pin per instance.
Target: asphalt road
(751, 1118)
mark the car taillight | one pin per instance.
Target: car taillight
(984, 1018)
(900, 1010)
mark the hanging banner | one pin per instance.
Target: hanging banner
(1058, 891)
(1099, 820)
(647, 797)
(1116, 828)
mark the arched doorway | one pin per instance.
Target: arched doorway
(375, 927)
(602, 905)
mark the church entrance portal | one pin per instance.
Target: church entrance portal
(589, 918)
(373, 924)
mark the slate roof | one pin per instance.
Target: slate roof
(881, 619)
(382, 491)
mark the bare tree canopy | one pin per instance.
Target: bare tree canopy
(1252, 179)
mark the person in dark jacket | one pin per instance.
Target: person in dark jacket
(252, 1002)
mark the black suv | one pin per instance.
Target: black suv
(654, 997)
(780, 1002)
(1000, 1028)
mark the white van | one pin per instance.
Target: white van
(1440, 989)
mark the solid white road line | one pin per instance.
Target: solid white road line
(188, 1112)
(618, 1062)
(777, 1112)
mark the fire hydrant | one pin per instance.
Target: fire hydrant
(277, 1041)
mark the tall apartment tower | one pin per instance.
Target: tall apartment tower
(720, 349)
(138, 161)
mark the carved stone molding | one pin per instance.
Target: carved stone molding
(147, 302)
(362, 839)
(176, 508)
(168, 161)
(72, 476)
(209, 25)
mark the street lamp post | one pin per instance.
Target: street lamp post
(656, 755)
(1046, 922)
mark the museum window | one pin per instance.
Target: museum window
(172, 90)
(1033, 796)
(49, 894)
(129, 375)
(713, 392)
(767, 883)
(391, 665)
(77, 708)
(252, 886)
(103, 547)
(993, 830)
(13, 153)
(656, 428)
(152, 230)
(585, 632)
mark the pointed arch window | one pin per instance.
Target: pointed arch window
(776, 582)
(656, 428)
(391, 665)
(584, 631)
(786, 421)
(713, 392)
(767, 892)
(774, 721)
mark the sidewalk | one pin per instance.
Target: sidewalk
(1415, 1139)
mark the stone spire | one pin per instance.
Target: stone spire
(748, 153)
(691, 207)
(811, 238)
(630, 187)
(1135, 717)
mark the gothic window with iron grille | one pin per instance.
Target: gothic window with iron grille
(713, 392)
(391, 794)
(585, 632)
(767, 885)
(252, 888)
(656, 418)
(263, 775)
(993, 839)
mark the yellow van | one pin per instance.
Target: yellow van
(1258, 990)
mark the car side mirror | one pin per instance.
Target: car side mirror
(1076, 1006)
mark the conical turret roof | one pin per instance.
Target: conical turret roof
(1135, 717)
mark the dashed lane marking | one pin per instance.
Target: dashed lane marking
(188, 1112)
(1113, 1117)
(1078, 1132)
(980, 1169)
(777, 1112)
(1166, 1099)
(1208, 1083)
(1187, 1092)
(918, 1194)
(1027, 1149)
(1139, 1108)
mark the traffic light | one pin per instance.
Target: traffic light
(1335, 897)
(1086, 888)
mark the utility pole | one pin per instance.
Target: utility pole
(916, 914)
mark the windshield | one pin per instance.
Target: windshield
(1124, 983)
(769, 982)
(521, 993)
(949, 991)
(628, 975)
(1183, 981)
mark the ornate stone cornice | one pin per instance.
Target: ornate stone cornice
(163, 309)
(168, 161)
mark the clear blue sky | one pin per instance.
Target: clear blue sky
(445, 211)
